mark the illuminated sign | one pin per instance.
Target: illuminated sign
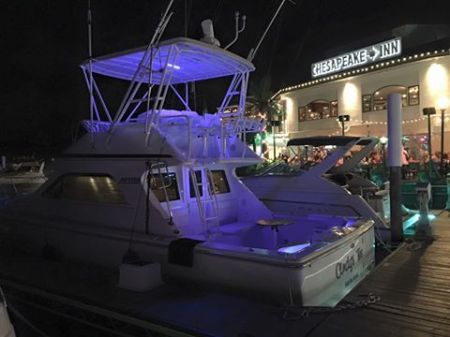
(357, 58)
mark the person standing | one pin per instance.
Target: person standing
(405, 162)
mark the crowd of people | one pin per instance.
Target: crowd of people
(416, 165)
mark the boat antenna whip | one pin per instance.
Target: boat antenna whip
(252, 53)
(91, 80)
(237, 29)
(132, 88)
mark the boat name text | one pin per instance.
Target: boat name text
(349, 263)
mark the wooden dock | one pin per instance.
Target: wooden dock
(413, 286)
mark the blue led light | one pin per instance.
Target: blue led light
(194, 61)
(294, 249)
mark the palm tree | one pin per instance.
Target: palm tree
(260, 103)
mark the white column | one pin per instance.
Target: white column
(394, 111)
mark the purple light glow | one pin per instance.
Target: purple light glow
(193, 60)
(294, 249)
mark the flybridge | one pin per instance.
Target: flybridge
(367, 55)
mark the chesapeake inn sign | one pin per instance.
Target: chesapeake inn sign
(357, 58)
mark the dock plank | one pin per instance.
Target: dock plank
(413, 284)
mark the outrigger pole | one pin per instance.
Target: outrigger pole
(252, 53)
(91, 80)
(133, 87)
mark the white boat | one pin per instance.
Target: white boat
(6, 328)
(330, 186)
(161, 183)
(21, 178)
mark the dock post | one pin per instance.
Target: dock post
(447, 204)
(394, 112)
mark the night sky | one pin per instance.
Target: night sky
(43, 42)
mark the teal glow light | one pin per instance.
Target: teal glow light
(412, 220)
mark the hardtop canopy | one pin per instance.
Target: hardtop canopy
(193, 61)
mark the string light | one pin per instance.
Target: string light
(359, 122)
(394, 62)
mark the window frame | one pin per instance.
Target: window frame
(210, 183)
(370, 103)
(409, 95)
(178, 194)
(385, 99)
(191, 184)
(303, 113)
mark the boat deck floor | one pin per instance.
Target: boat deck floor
(412, 283)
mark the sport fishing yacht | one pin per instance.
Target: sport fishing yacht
(21, 178)
(160, 183)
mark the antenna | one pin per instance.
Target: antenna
(146, 58)
(238, 30)
(91, 80)
(252, 53)
(208, 33)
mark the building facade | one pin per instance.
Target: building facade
(422, 79)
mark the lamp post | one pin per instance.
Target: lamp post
(343, 119)
(442, 105)
(383, 142)
(428, 112)
(274, 123)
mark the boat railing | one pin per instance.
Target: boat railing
(200, 205)
(229, 127)
(213, 217)
(159, 167)
(232, 126)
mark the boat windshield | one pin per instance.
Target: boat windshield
(303, 158)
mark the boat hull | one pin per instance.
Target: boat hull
(315, 277)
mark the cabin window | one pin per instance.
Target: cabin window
(218, 182)
(167, 181)
(89, 188)
(198, 181)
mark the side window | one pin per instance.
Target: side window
(165, 180)
(198, 181)
(318, 109)
(334, 108)
(367, 103)
(218, 182)
(89, 188)
(380, 96)
(413, 95)
(302, 114)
